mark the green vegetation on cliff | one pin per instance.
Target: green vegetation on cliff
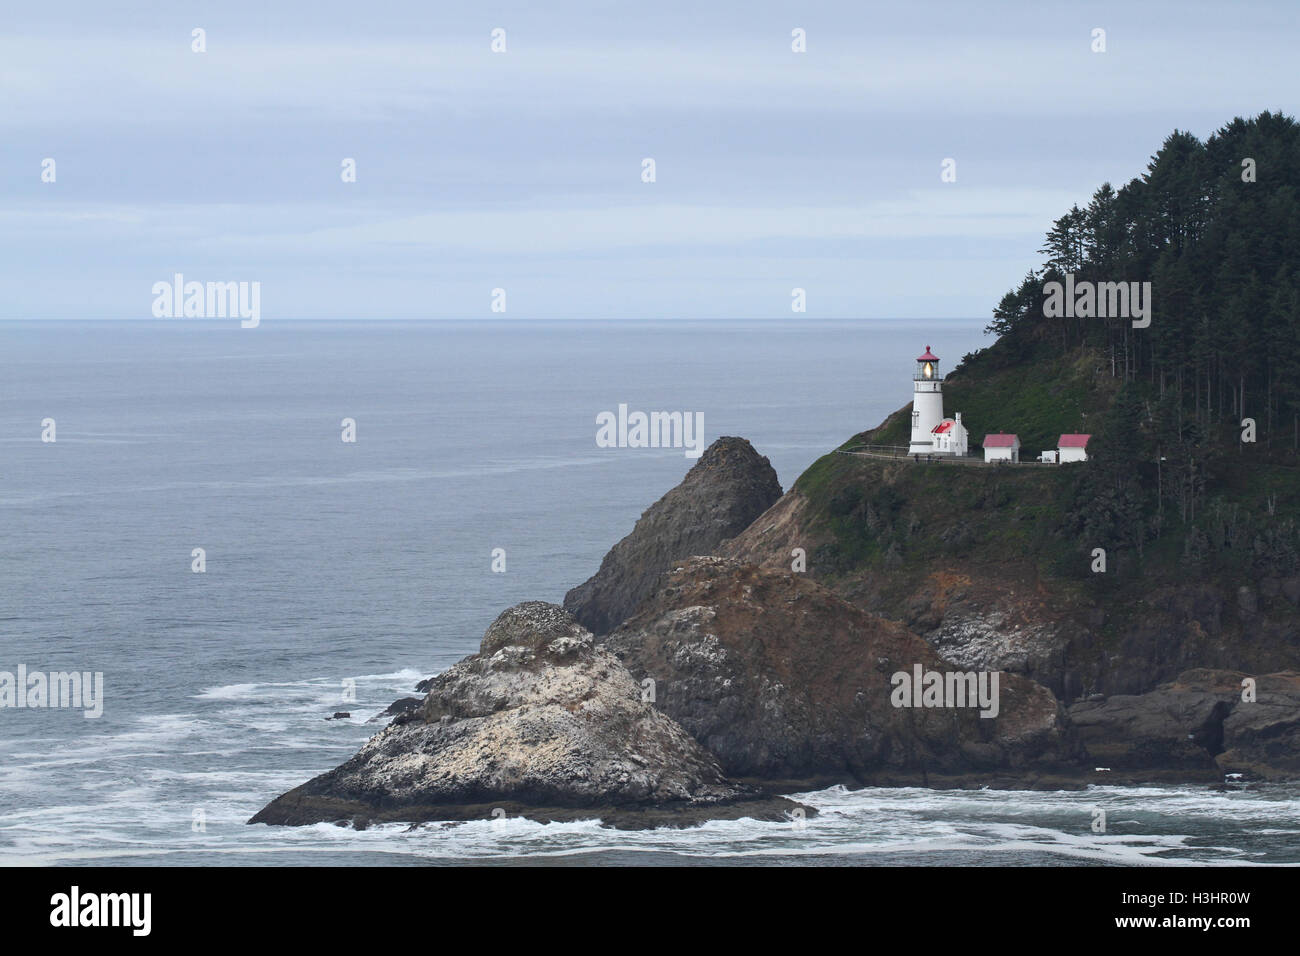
(1170, 488)
(1215, 228)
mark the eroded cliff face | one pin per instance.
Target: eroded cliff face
(720, 496)
(1006, 615)
(976, 618)
(540, 723)
(783, 679)
(1151, 670)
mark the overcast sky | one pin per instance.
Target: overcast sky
(522, 170)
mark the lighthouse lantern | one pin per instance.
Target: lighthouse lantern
(927, 367)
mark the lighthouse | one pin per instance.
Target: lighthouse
(927, 404)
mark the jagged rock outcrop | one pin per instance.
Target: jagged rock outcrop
(720, 496)
(1179, 725)
(1262, 737)
(1198, 722)
(782, 679)
(403, 705)
(540, 723)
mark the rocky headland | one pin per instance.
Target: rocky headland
(540, 723)
(698, 675)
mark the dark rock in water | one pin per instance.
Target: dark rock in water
(339, 715)
(784, 680)
(540, 723)
(1178, 725)
(1199, 721)
(720, 496)
(424, 685)
(1261, 738)
(403, 705)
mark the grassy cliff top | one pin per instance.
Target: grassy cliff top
(1039, 400)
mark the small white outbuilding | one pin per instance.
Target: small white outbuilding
(1073, 448)
(1002, 447)
(950, 437)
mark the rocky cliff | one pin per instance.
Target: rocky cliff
(784, 680)
(1204, 720)
(540, 723)
(972, 559)
(1117, 654)
(720, 496)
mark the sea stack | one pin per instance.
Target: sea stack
(720, 496)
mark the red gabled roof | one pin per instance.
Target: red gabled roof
(1000, 441)
(1074, 441)
(928, 356)
(943, 426)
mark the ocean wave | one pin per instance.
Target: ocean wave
(131, 794)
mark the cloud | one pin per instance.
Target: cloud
(146, 79)
(473, 164)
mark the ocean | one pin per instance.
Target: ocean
(337, 575)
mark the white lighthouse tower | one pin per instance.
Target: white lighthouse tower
(927, 404)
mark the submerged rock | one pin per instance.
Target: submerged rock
(727, 488)
(540, 723)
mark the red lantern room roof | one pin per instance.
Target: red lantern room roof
(928, 356)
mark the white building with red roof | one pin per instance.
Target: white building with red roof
(950, 437)
(1001, 447)
(1073, 448)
